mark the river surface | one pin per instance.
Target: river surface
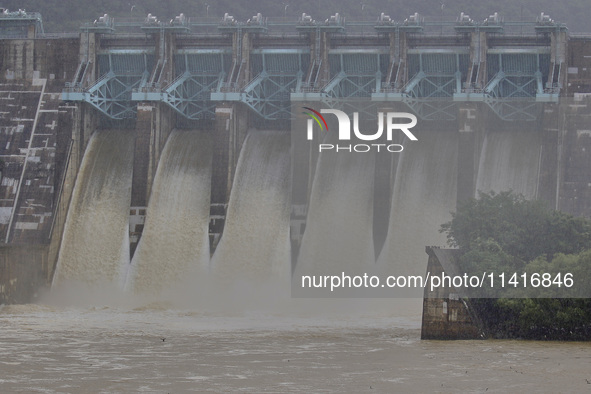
(211, 331)
(157, 348)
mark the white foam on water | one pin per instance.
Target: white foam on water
(174, 246)
(95, 244)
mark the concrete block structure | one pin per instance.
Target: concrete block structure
(446, 314)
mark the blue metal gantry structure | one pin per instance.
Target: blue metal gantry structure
(429, 78)
(120, 71)
(512, 85)
(277, 72)
(436, 75)
(198, 72)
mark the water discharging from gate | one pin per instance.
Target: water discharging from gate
(510, 161)
(339, 236)
(175, 244)
(255, 244)
(424, 194)
(95, 244)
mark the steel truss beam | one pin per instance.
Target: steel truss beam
(432, 109)
(515, 85)
(112, 94)
(280, 72)
(431, 85)
(338, 93)
(428, 94)
(199, 72)
(515, 109)
(437, 78)
(512, 92)
(268, 94)
(189, 94)
(347, 85)
(356, 74)
(122, 72)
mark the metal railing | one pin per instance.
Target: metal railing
(287, 26)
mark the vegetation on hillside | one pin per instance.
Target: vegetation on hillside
(68, 15)
(506, 233)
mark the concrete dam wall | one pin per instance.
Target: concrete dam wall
(142, 158)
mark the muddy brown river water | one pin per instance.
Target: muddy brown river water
(158, 349)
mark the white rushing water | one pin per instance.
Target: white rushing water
(510, 160)
(339, 234)
(174, 246)
(424, 194)
(305, 345)
(95, 244)
(255, 245)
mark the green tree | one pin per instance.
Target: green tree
(524, 229)
(505, 233)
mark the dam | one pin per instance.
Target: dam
(144, 152)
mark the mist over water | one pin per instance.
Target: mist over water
(339, 228)
(175, 243)
(251, 265)
(233, 326)
(510, 160)
(95, 244)
(252, 259)
(423, 196)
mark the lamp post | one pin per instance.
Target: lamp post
(285, 11)
(206, 10)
